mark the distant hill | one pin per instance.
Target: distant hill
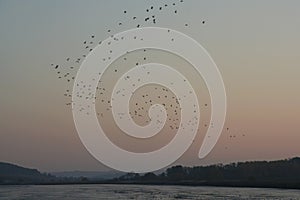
(279, 173)
(91, 175)
(14, 174)
(274, 174)
(7, 168)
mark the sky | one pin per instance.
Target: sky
(255, 45)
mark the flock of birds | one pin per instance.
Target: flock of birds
(67, 72)
(165, 98)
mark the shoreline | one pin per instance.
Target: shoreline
(229, 184)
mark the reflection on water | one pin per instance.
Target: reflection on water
(66, 192)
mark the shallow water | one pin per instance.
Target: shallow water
(66, 192)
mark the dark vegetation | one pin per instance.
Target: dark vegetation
(11, 174)
(281, 173)
(277, 174)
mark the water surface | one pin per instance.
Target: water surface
(91, 192)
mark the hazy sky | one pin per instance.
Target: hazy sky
(254, 43)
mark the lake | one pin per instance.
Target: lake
(67, 192)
